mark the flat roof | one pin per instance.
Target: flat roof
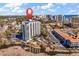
(66, 36)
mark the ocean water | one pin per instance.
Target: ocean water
(69, 16)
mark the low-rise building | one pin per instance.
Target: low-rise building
(65, 39)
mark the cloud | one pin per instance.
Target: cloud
(63, 4)
(44, 9)
(10, 5)
(72, 10)
(78, 6)
(49, 5)
(58, 7)
(15, 9)
(18, 9)
(11, 9)
(41, 9)
(36, 7)
(52, 10)
(3, 10)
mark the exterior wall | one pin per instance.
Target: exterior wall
(25, 34)
(75, 44)
(75, 24)
(60, 20)
(30, 29)
(75, 21)
(37, 27)
(78, 35)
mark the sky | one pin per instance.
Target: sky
(39, 8)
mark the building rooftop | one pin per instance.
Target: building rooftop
(66, 36)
